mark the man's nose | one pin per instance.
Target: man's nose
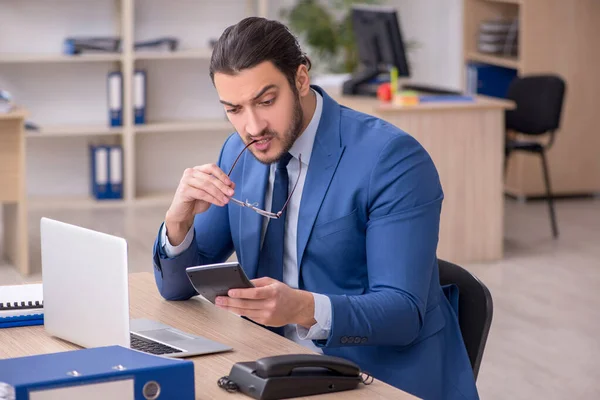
(254, 124)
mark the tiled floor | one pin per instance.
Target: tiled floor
(545, 337)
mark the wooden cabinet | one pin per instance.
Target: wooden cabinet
(560, 37)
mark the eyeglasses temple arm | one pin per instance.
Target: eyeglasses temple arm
(238, 157)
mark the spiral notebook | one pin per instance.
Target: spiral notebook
(21, 305)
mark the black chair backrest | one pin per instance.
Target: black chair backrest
(475, 309)
(539, 102)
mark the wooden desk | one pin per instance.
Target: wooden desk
(249, 341)
(12, 189)
(466, 142)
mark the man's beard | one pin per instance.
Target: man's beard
(287, 139)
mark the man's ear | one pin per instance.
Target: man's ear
(302, 80)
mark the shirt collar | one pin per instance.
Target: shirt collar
(304, 144)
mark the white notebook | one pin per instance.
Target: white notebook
(16, 300)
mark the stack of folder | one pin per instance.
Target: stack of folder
(21, 305)
(91, 44)
(115, 97)
(106, 172)
(499, 37)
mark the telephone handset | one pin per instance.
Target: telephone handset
(293, 375)
(284, 365)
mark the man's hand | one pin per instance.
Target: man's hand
(271, 303)
(198, 189)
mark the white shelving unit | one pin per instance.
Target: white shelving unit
(66, 95)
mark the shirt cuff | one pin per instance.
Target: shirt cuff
(173, 251)
(322, 328)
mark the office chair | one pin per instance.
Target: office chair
(539, 103)
(475, 309)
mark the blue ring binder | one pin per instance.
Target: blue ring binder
(22, 320)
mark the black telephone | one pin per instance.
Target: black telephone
(292, 375)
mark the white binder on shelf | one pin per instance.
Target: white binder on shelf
(115, 98)
(139, 96)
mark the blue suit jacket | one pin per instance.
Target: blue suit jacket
(367, 238)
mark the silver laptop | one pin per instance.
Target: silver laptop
(86, 296)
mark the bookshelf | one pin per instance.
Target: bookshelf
(66, 96)
(568, 51)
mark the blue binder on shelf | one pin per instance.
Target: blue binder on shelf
(109, 372)
(489, 80)
(115, 172)
(99, 172)
(115, 98)
(106, 178)
(21, 305)
(139, 97)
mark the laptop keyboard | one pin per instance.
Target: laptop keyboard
(150, 346)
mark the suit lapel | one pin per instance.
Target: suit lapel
(326, 154)
(254, 182)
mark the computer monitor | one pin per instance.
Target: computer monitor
(379, 44)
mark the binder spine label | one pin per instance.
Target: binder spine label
(101, 167)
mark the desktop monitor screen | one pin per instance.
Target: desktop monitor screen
(378, 39)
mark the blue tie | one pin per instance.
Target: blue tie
(271, 256)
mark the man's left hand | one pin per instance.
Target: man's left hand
(271, 303)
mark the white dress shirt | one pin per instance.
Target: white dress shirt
(302, 146)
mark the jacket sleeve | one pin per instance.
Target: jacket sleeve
(212, 243)
(404, 205)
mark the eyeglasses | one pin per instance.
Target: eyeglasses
(254, 206)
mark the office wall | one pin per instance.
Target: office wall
(437, 26)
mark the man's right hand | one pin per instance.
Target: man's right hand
(198, 189)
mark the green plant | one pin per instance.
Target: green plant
(326, 27)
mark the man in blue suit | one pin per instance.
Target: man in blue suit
(333, 214)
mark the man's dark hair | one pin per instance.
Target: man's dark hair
(254, 40)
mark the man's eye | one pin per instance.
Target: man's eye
(267, 102)
(232, 110)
